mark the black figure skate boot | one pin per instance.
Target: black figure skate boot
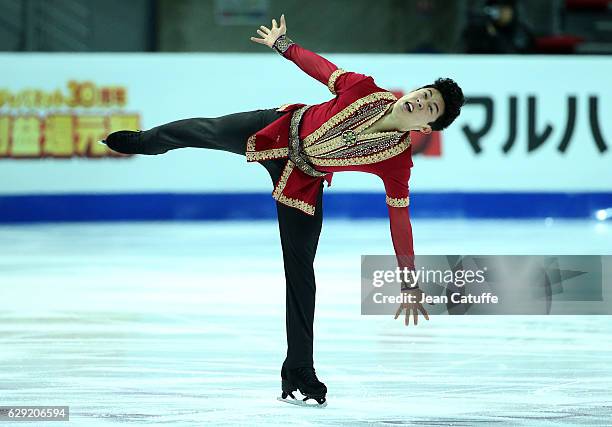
(124, 141)
(305, 380)
(133, 142)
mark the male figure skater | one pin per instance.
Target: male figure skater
(363, 128)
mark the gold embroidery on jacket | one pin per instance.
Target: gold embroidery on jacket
(278, 195)
(345, 113)
(273, 153)
(340, 141)
(363, 160)
(331, 83)
(365, 149)
(400, 202)
(327, 147)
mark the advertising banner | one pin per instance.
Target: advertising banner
(531, 124)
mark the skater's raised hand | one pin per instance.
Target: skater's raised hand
(270, 35)
(414, 307)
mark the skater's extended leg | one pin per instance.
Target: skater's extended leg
(299, 239)
(227, 133)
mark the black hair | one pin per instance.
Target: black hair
(453, 101)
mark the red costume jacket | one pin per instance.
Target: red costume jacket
(332, 140)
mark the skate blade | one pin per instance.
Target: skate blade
(299, 402)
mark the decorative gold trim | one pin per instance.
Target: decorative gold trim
(400, 202)
(372, 135)
(364, 126)
(251, 143)
(325, 146)
(365, 148)
(363, 160)
(335, 143)
(274, 153)
(278, 195)
(331, 83)
(282, 107)
(295, 153)
(340, 116)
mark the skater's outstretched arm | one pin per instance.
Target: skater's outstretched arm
(336, 79)
(397, 198)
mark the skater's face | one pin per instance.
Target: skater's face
(415, 110)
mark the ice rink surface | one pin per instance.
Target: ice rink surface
(182, 324)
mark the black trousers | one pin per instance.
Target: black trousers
(299, 232)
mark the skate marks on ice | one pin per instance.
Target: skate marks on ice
(155, 323)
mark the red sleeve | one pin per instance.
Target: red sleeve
(336, 79)
(398, 201)
(401, 234)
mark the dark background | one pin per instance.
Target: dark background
(385, 26)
